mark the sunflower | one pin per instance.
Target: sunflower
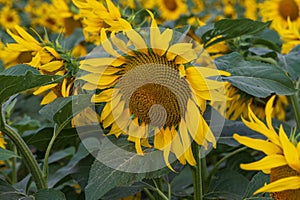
(41, 56)
(238, 101)
(171, 9)
(9, 17)
(279, 11)
(2, 141)
(152, 88)
(251, 9)
(290, 36)
(282, 158)
(2, 145)
(95, 16)
(229, 10)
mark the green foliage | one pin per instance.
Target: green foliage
(21, 78)
(226, 29)
(6, 154)
(255, 78)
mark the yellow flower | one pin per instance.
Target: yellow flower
(251, 9)
(238, 102)
(2, 141)
(150, 87)
(95, 16)
(171, 9)
(9, 17)
(279, 11)
(229, 10)
(282, 158)
(290, 36)
(28, 50)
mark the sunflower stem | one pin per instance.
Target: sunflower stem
(28, 158)
(14, 177)
(196, 172)
(296, 107)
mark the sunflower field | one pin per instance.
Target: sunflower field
(149, 100)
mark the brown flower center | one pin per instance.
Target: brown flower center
(288, 8)
(149, 95)
(154, 90)
(171, 4)
(283, 172)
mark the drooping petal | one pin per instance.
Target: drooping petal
(267, 162)
(258, 144)
(288, 183)
(290, 151)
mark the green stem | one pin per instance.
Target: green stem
(296, 108)
(28, 158)
(160, 193)
(150, 196)
(48, 150)
(216, 166)
(158, 184)
(196, 172)
(14, 178)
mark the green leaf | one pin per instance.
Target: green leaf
(256, 182)
(62, 110)
(41, 138)
(227, 184)
(122, 192)
(69, 168)
(125, 161)
(6, 154)
(182, 184)
(20, 78)
(46, 194)
(290, 62)
(255, 78)
(231, 28)
(7, 192)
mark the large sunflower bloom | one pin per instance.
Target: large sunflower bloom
(151, 88)
(238, 102)
(95, 16)
(279, 11)
(282, 158)
(27, 50)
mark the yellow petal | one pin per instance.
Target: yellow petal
(52, 66)
(288, 183)
(44, 88)
(158, 139)
(107, 45)
(186, 142)
(104, 96)
(290, 151)
(267, 162)
(176, 146)
(167, 147)
(113, 10)
(51, 96)
(137, 41)
(121, 45)
(258, 144)
(206, 72)
(102, 62)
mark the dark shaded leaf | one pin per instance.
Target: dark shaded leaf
(255, 78)
(256, 182)
(46, 194)
(7, 191)
(22, 77)
(227, 184)
(290, 62)
(231, 28)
